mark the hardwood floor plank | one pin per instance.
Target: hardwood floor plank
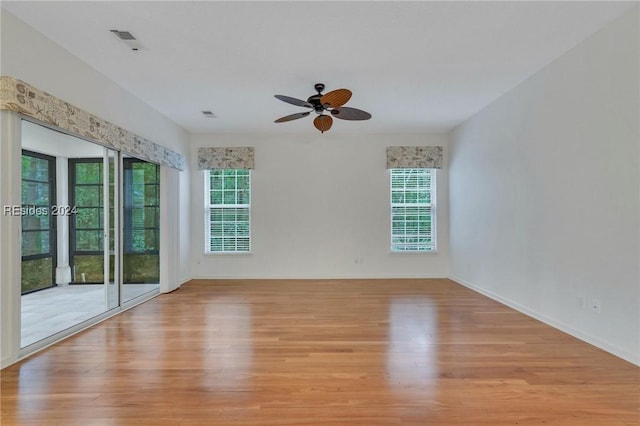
(321, 352)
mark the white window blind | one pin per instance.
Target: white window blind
(412, 210)
(228, 211)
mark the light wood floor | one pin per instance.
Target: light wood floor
(338, 352)
(50, 311)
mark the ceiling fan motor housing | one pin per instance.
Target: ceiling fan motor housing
(314, 100)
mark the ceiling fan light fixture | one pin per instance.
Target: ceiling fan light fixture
(323, 122)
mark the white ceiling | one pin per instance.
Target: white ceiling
(416, 66)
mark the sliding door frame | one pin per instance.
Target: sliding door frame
(10, 258)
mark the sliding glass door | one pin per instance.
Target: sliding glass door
(90, 233)
(69, 217)
(141, 228)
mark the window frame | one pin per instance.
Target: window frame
(431, 247)
(128, 164)
(208, 206)
(52, 229)
(73, 226)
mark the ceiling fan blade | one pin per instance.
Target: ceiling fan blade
(336, 98)
(292, 117)
(323, 122)
(346, 113)
(294, 101)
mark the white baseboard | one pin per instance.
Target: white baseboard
(613, 349)
(328, 277)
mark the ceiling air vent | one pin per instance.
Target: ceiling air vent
(123, 35)
(128, 39)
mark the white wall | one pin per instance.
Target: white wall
(318, 202)
(10, 195)
(544, 189)
(184, 221)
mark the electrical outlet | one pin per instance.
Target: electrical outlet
(358, 260)
(581, 302)
(596, 306)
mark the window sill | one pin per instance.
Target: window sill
(414, 253)
(229, 253)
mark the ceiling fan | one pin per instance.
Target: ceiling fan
(325, 106)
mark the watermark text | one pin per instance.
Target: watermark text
(25, 210)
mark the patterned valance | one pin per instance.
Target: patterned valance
(18, 96)
(414, 157)
(225, 158)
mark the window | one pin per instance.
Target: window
(86, 236)
(140, 222)
(38, 223)
(141, 207)
(413, 210)
(228, 211)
